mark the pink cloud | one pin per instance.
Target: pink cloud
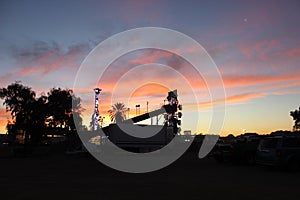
(261, 49)
(244, 98)
(43, 59)
(270, 51)
(151, 57)
(247, 80)
(51, 61)
(290, 52)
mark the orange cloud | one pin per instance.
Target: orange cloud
(150, 90)
(231, 100)
(246, 80)
(244, 98)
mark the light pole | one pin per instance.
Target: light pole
(147, 105)
(137, 108)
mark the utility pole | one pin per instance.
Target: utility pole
(147, 105)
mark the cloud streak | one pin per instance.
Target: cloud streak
(262, 84)
(44, 58)
(247, 80)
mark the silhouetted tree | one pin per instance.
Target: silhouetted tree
(76, 114)
(32, 116)
(61, 111)
(59, 107)
(19, 100)
(118, 112)
(296, 116)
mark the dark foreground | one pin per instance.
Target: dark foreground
(63, 177)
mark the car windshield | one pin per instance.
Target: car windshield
(269, 143)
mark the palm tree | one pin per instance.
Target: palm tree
(118, 112)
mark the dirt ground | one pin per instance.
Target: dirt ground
(83, 177)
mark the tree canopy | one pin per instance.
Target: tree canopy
(34, 117)
(296, 116)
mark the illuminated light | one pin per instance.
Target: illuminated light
(97, 90)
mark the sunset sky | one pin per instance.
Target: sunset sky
(254, 44)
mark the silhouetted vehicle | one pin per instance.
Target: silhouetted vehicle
(197, 143)
(5, 150)
(279, 151)
(245, 149)
(222, 152)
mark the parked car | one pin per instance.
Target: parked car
(245, 149)
(5, 149)
(279, 151)
(222, 152)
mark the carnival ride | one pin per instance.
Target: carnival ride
(163, 133)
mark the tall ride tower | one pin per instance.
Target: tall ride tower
(96, 110)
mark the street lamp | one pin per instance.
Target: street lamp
(137, 108)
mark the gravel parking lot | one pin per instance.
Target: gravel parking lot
(83, 177)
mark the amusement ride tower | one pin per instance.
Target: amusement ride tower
(96, 110)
